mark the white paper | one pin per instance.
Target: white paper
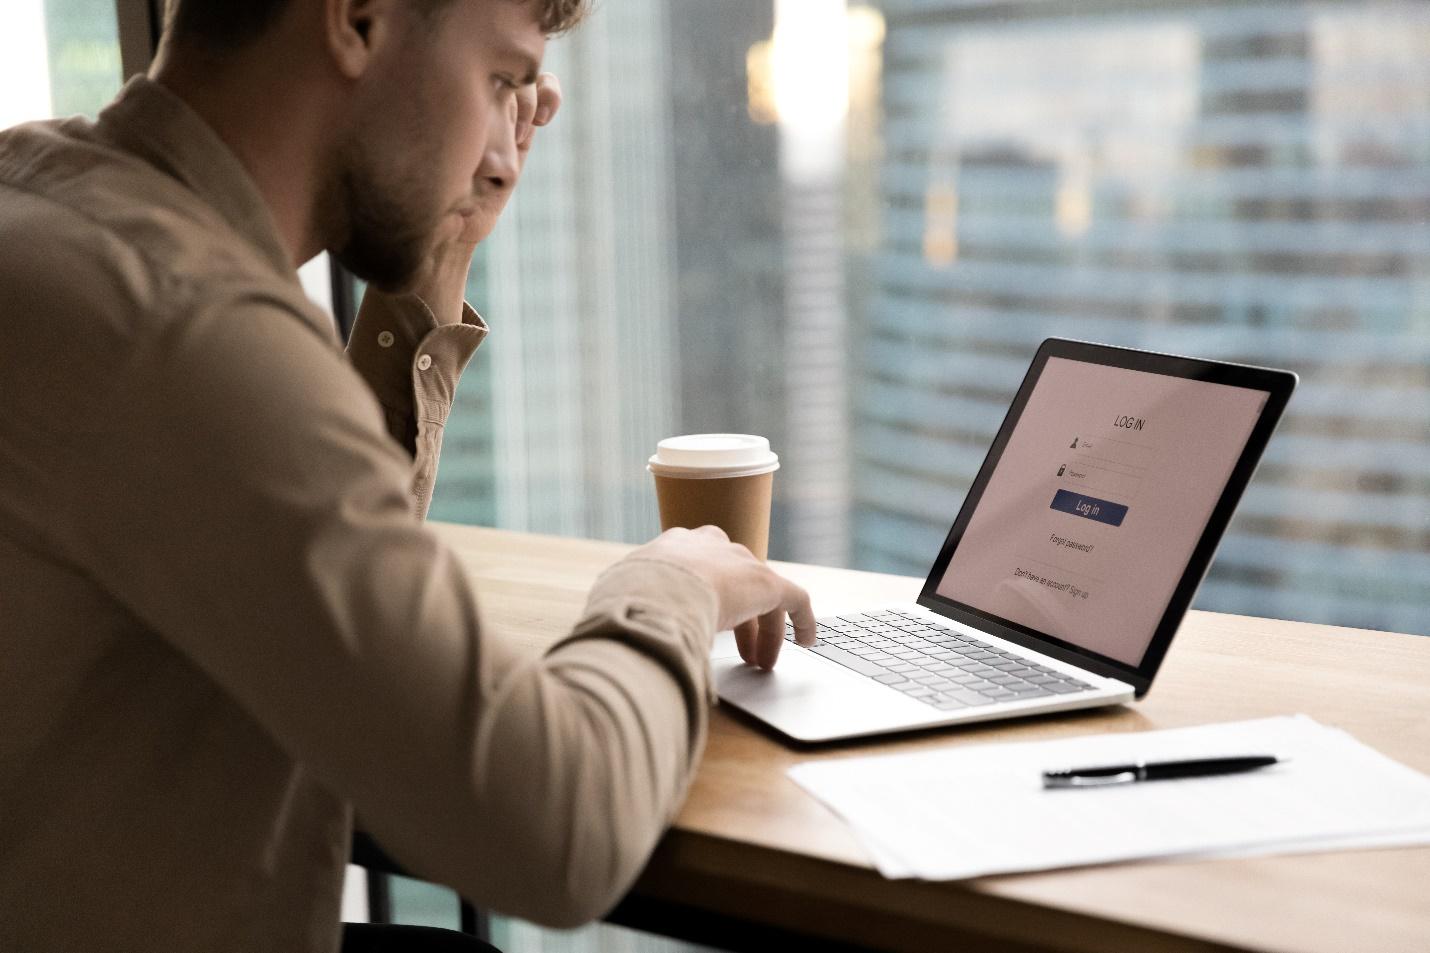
(969, 811)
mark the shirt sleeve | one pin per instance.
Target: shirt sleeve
(412, 363)
(245, 503)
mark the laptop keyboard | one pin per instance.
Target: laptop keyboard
(936, 665)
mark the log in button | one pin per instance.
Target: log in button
(1100, 511)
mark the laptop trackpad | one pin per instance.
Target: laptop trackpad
(808, 698)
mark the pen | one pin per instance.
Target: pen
(1154, 771)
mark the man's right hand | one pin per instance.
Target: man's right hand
(754, 599)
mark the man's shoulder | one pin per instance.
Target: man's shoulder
(111, 268)
(94, 229)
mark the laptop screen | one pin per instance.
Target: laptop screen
(1099, 490)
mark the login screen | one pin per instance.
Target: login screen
(1102, 493)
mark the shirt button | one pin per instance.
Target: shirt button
(385, 339)
(424, 362)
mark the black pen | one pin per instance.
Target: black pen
(1155, 771)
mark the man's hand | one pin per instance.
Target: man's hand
(443, 281)
(511, 139)
(753, 597)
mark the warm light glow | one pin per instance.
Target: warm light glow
(810, 62)
(800, 78)
(866, 28)
(1073, 211)
(940, 225)
(24, 64)
(801, 74)
(760, 84)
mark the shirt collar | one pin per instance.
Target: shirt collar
(160, 128)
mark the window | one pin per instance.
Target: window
(57, 58)
(848, 227)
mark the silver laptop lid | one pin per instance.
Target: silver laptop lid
(1100, 505)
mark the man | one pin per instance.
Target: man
(224, 626)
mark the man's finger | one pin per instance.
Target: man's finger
(525, 114)
(548, 98)
(801, 613)
(771, 639)
(745, 635)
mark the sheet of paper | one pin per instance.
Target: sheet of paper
(969, 811)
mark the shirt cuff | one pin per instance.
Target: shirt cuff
(412, 362)
(662, 609)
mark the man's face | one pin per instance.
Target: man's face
(411, 165)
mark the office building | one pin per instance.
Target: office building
(1246, 182)
(634, 285)
(574, 383)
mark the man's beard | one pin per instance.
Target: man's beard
(381, 236)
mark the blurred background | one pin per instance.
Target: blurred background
(847, 226)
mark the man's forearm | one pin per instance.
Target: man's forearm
(443, 282)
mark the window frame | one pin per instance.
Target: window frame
(139, 24)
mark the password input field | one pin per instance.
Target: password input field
(1092, 478)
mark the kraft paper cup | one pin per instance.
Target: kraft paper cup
(719, 479)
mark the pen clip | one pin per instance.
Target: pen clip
(1067, 779)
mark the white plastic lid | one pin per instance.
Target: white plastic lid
(713, 456)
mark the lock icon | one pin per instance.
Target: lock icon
(1062, 469)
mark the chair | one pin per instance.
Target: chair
(474, 932)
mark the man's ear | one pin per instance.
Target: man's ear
(355, 30)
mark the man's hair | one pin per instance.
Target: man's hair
(225, 25)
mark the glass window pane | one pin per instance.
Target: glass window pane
(57, 58)
(847, 227)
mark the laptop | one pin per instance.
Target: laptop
(1077, 551)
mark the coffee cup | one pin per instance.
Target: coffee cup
(720, 479)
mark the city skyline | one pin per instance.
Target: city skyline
(1241, 182)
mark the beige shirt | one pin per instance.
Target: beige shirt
(223, 625)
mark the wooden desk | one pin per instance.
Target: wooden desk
(749, 845)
